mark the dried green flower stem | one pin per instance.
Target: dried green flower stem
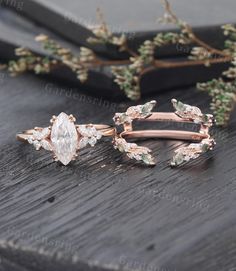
(129, 72)
(189, 30)
(169, 65)
(162, 64)
(97, 62)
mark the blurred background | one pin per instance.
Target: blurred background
(104, 212)
(70, 24)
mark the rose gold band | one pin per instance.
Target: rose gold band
(106, 130)
(165, 116)
(110, 131)
(168, 134)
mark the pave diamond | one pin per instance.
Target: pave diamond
(64, 138)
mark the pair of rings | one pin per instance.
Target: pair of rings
(64, 138)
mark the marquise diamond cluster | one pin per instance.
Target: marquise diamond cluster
(64, 138)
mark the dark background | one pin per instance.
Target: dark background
(68, 23)
(105, 212)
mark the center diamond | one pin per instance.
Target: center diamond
(64, 138)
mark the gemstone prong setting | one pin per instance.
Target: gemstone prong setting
(63, 137)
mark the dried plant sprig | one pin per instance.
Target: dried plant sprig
(162, 39)
(30, 62)
(76, 63)
(128, 73)
(230, 43)
(58, 55)
(223, 89)
(200, 53)
(128, 78)
(223, 98)
(187, 30)
(103, 35)
(128, 81)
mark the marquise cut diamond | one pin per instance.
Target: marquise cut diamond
(64, 138)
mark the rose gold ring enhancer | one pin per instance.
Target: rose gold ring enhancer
(64, 138)
(184, 113)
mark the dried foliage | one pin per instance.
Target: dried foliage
(128, 73)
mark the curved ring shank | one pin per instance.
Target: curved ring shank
(110, 131)
(106, 130)
(166, 116)
(168, 134)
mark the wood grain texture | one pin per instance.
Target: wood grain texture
(104, 212)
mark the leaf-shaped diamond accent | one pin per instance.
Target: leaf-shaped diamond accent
(89, 135)
(134, 112)
(46, 145)
(189, 112)
(39, 139)
(193, 151)
(40, 134)
(133, 151)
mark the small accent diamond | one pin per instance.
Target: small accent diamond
(134, 151)
(46, 145)
(134, 112)
(89, 135)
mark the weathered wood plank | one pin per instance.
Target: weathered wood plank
(104, 210)
(138, 19)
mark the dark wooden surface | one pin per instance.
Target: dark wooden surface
(104, 212)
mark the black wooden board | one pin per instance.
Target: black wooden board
(104, 212)
(16, 31)
(73, 19)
